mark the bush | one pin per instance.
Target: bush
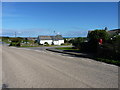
(98, 34)
(63, 44)
(77, 42)
(52, 43)
(46, 44)
(15, 42)
(94, 37)
(111, 49)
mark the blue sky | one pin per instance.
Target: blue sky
(67, 18)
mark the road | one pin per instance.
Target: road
(44, 48)
(28, 68)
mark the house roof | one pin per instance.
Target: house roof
(115, 31)
(45, 37)
(57, 37)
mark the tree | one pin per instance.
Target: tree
(46, 43)
(116, 44)
(106, 28)
(77, 42)
(95, 36)
(15, 42)
(26, 40)
(52, 43)
(65, 40)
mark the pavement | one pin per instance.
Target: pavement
(32, 68)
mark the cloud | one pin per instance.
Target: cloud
(74, 33)
(26, 32)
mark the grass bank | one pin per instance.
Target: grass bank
(67, 49)
(109, 61)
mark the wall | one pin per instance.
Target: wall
(59, 42)
(48, 41)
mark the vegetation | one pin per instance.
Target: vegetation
(110, 61)
(76, 42)
(108, 51)
(94, 37)
(6, 40)
(66, 48)
(16, 42)
(46, 44)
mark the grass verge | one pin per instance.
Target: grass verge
(66, 48)
(109, 61)
(115, 62)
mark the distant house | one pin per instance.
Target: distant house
(30, 38)
(56, 40)
(114, 32)
(110, 32)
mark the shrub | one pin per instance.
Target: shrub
(46, 43)
(111, 49)
(52, 43)
(77, 42)
(15, 42)
(94, 37)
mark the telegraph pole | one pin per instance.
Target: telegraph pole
(15, 34)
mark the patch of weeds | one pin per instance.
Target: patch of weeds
(115, 62)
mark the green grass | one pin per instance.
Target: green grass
(67, 48)
(109, 61)
(30, 46)
(115, 62)
(39, 46)
(6, 41)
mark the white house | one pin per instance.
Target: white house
(56, 40)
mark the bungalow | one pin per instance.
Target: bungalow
(114, 32)
(56, 40)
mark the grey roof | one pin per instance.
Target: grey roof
(114, 32)
(57, 37)
(45, 37)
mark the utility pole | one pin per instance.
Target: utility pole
(15, 34)
(54, 32)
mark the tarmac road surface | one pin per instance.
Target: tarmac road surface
(27, 68)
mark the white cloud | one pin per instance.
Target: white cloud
(26, 32)
(77, 33)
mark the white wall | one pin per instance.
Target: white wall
(55, 42)
(48, 41)
(59, 42)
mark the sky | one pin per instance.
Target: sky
(70, 19)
